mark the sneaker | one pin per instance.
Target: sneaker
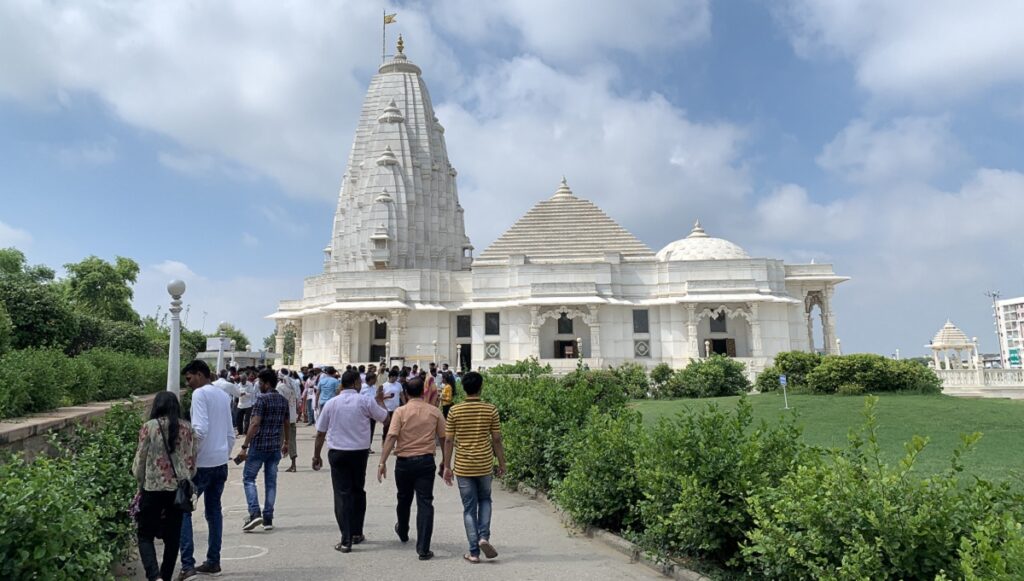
(185, 575)
(252, 522)
(268, 524)
(208, 569)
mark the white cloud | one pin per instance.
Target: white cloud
(571, 30)
(908, 149)
(249, 240)
(927, 50)
(524, 124)
(787, 214)
(270, 86)
(241, 300)
(11, 236)
(101, 152)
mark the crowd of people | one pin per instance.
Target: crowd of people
(414, 407)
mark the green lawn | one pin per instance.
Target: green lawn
(826, 420)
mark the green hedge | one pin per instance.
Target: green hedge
(39, 380)
(745, 501)
(847, 374)
(715, 376)
(66, 517)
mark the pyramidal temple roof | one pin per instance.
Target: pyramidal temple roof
(565, 228)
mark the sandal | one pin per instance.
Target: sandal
(488, 549)
(292, 469)
(471, 558)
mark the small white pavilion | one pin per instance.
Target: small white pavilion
(950, 339)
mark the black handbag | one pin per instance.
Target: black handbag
(185, 493)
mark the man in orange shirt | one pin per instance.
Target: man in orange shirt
(415, 428)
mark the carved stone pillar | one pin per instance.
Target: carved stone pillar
(534, 332)
(343, 327)
(757, 348)
(595, 333)
(279, 343)
(809, 325)
(396, 328)
(693, 348)
(298, 344)
(828, 322)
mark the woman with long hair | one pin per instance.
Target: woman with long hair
(166, 454)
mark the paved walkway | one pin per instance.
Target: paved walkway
(531, 540)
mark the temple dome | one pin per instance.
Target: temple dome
(699, 246)
(950, 336)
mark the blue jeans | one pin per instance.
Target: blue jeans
(476, 509)
(209, 483)
(255, 460)
(309, 413)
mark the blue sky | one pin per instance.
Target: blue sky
(207, 140)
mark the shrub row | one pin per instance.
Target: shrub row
(38, 380)
(66, 517)
(753, 500)
(848, 374)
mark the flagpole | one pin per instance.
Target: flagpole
(384, 36)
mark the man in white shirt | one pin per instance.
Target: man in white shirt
(215, 436)
(392, 399)
(286, 388)
(369, 389)
(247, 392)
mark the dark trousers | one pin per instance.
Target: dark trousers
(244, 415)
(387, 427)
(348, 478)
(158, 517)
(415, 475)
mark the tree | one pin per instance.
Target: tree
(233, 333)
(103, 289)
(270, 343)
(14, 265)
(6, 330)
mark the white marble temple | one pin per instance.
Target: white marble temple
(566, 280)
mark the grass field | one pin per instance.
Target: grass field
(826, 420)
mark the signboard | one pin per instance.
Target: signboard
(214, 344)
(782, 380)
(1014, 357)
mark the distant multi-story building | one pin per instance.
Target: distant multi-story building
(1009, 315)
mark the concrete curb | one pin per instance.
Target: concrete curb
(30, 434)
(613, 541)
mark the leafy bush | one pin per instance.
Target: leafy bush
(46, 531)
(600, 487)
(39, 380)
(715, 376)
(529, 367)
(796, 366)
(695, 473)
(33, 380)
(994, 551)
(66, 518)
(660, 375)
(98, 333)
(6, 330)
(767, 380)
(846, 515)
(39, 312)
(542, 416)
(633, 379)
(866, 373)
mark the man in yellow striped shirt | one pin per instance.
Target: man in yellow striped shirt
(473, 431)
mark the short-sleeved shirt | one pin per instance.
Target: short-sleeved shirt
(328, 388)
(394, 389)
(470, 424)
(272, 409)
(416, 426)
(345, 420)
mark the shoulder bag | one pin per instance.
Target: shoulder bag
(184, 495)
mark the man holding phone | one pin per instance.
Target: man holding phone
(267, 430)
(344, 423)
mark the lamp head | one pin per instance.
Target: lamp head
(176, 288)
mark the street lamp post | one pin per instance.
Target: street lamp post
(839, 346)
(220, 346)
(176, 289)
(387, 353)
